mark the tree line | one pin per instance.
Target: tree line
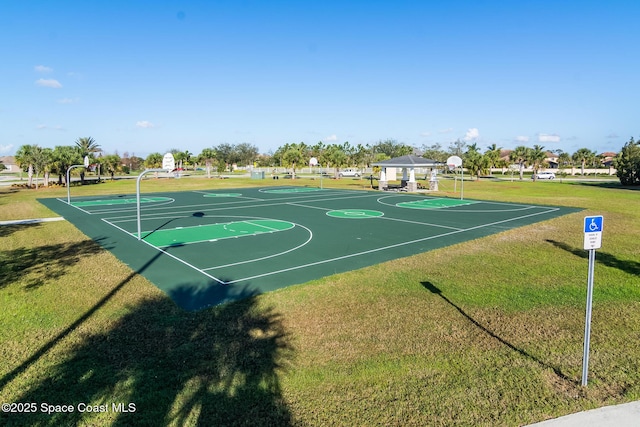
(39, 161)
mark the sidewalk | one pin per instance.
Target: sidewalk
(625, 415)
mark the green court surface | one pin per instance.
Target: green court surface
(204, 248)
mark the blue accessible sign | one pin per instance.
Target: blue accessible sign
(593, 232)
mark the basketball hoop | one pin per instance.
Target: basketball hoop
(451, 166)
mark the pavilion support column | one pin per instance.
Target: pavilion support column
(433, 181)
(412, 185)
(382, 182)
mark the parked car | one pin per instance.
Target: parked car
(544, 175)
(349, 172)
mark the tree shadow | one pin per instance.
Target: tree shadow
(615, 185)
(631, 267)
(435, 290)
(37, 264)
(160, 365)
(9, 229)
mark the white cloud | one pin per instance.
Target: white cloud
(6, 148)
(45, 127)
(53, 83)
(447, 130)
(425, 134)
(333, 137)
(471, 134)
(43, 69)
(145, 124)
(68, 100)
(544, 137)
(522, 138)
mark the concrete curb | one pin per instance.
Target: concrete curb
(624, 415)
(31, 221)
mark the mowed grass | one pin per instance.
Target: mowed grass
(488, 332)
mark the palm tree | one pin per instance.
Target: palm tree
(112, 164)
(520, 156)
(475, 162)
(87, 146)
(537, 157)
(64, 156)
(335, 156)
(41, 158)
(583, 156)
(564, 160)
(153, 160)
(295, 155)
(207, 156)
(24, 159)
(493, 155)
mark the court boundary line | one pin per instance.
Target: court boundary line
(298, 267)
(309, 238)
(215, 209)
(385, 216)
(522, 208)
(221, 282)
(339, 196)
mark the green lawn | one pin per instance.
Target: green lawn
(488, 332)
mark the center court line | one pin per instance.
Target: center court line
(384, 217)
(386, 247)
(152, 215)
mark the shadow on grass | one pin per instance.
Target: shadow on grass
(9, 229)
(160, 365)
(631, 267)
(435, 290)
(38, 264)
(608, 184)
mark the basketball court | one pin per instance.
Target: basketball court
(204, 248)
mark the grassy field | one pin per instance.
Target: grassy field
(488, 332)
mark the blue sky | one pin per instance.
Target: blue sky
(147, 76)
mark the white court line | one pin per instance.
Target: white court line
(217, 206)
(222, 282)
(267, 256)
(73, 206)
(522, 208)
(142, 200)
(226, 197)
(269, 228)
(151, 215)
(384, 217)
(384, 248)
(455, 231)
(419, 223)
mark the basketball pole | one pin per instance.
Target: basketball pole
(138, 195)
(68, 176)
(461, 183)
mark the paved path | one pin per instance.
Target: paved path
(625, 415)
(31, 221)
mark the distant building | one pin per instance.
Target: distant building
(9, 163)
(607, 158)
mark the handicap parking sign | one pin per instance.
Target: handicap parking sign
(593, 232)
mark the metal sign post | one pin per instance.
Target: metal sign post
(592, 241)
